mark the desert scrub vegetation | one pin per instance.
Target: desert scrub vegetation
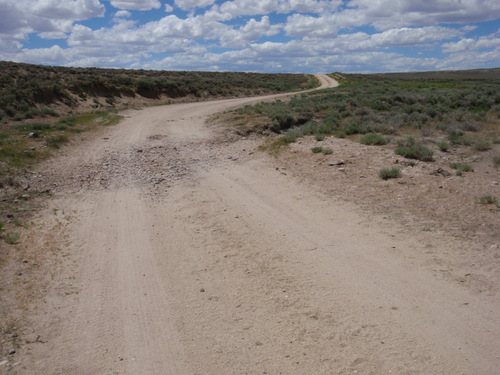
(496, 161)
(443, 146)
(455, 106)
(482, 146)
(24, 144)
(411, 149)
(28, 91)
(324, 151)
(11, 238)
(488, 199)
(458, 137)
(462, 167)
(388, 173)
(374, 139)
(319, 137)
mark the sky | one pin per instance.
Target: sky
(266, 36)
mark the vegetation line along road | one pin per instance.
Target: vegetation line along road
(28, 91)
(421, 116)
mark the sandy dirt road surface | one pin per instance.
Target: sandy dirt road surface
(175, 248)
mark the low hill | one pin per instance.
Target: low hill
(493, 73)
(27, 91)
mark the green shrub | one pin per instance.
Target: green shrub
(282, 119)
(317, 150)
(386, 173)
(49, 112)
(374, 139)
(462, 167)
(356, 128)
(496, 161)
(327, 151)
(457, 137)
(309, 128)
(289, 138)
(11, 238)
(488, 199)
(482, 146)
(443, 146)
(330, 124)
(319, 137)
(411, 149)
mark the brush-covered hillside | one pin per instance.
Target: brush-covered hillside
(28, 91)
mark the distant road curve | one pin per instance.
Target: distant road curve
(326, 81)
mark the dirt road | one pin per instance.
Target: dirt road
(177, 249)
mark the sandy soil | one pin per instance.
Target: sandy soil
(171, 246)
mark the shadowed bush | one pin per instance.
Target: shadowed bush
(458, 137)
(411, 149)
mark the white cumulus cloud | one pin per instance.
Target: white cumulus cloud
(387, 14)
(299, 25)
(470, 44)
(251, 32)
(50, 18)
(68, 9)
(123, 14)
(407, 36)
(232, 9)
(190, 4)
(136, 4)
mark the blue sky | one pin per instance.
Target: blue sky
(297, 36)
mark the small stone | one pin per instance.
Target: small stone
(25, 260)
(338, 162)
(441, 172)
(202, 290)
(12, 351)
